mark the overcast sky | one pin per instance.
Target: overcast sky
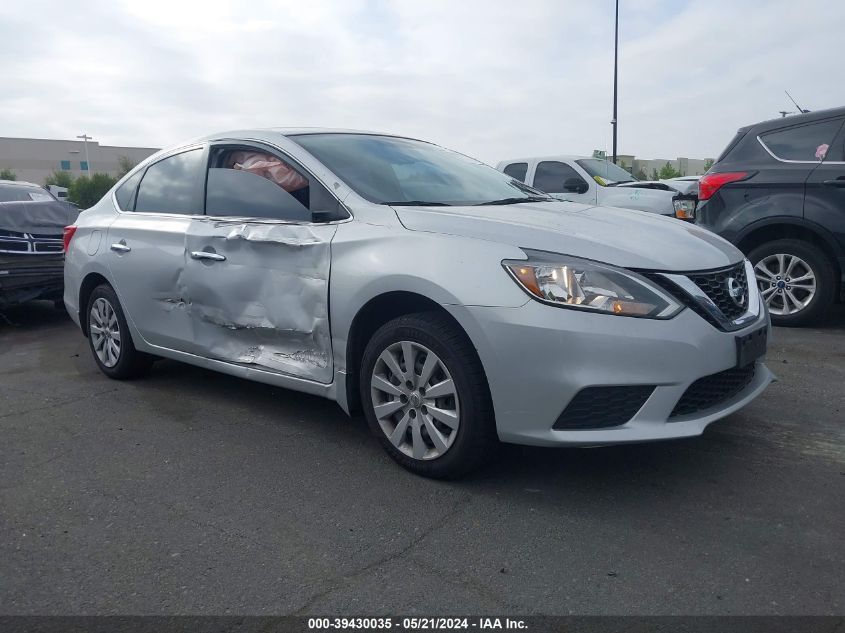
(493, 79)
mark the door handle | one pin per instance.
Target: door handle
(839, 182)
(120, 247)
(215, 257)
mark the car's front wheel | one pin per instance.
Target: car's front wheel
(109, 338)
(796, 279)
(425, 396)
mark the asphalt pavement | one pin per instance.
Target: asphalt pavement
(190, 492)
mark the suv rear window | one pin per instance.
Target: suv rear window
(809, 143)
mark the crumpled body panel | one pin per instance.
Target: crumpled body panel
(267, 303)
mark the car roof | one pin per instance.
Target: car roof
(531, 159)
(294, 131)
(796, 119)
(20, 182)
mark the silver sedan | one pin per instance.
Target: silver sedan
(453, 305)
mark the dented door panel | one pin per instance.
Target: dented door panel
(266, 304)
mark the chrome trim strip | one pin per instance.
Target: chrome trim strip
(751, 314)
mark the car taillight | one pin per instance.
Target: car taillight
(711, 183)
(67, 236)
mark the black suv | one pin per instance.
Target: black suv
(778, 193)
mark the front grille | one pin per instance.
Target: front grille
(714, 389)
(603, 407)
(716, 286)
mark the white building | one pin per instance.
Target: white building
(34, 159)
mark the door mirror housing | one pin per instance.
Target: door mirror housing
(575, 185)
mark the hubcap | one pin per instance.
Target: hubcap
(104, 330)
(786, 282)
(415, 400)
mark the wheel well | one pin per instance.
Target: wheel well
(791, 232)
(375, 313)
(91, 281)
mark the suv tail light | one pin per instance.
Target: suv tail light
(67, 236)
(711, 183)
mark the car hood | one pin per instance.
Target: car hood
(623, 237)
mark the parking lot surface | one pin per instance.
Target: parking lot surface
(193, 492)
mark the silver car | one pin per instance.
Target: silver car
(453, 305)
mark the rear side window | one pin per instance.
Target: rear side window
(126, 192)
(171, 185)
(809, 143)
(551, 176)
(517, 170)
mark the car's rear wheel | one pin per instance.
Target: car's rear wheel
(425, 396)
(109, 338)
(797, 281)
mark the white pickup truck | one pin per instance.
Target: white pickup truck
(597, 181)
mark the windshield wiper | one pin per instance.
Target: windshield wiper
(517, 200)
(417, 203)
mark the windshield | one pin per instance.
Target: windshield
(24, 193)
(401, 171)
(605, 170)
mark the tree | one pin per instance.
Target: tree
(86, 192)
(708, 164)
(60, 179)
(641, 175)
(654, 175)
(125, 165)
(8, 174)
(667, 171)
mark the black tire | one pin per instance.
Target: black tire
(130, 362)
(476, 440)
(822, 268)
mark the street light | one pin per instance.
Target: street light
(85, 138)
(615, 73)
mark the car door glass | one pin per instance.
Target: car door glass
(253, 183)
(551, 176)
(808, 143)
(517, 170)
(126, 192)
(170, 185)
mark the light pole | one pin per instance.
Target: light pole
(85, 138)
(615, 73)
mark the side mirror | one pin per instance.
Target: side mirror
(575, 185)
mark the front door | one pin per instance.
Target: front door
(824, 197)
(257, 266)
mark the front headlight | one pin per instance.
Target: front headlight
(581, 284)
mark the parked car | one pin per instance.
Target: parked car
(31, 260)
(597, 181)
(451, 303)
(778, 193)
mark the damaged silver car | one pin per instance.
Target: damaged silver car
(454, 305)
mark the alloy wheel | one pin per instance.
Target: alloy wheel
(415, 400)
(104, 330)
(786, 282)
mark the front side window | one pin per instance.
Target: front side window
(255, 183)
(400, 171)
(604, 172)
(555, 177)
(171, 185)
(517, 170)
(809, 143)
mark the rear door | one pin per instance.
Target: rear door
(147, 245)
(257, 268)
(824, 201)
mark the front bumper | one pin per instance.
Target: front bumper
(28, 277)
(538, 357)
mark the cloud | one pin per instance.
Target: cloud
(491, 79)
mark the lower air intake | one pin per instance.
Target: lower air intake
(603, 407)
